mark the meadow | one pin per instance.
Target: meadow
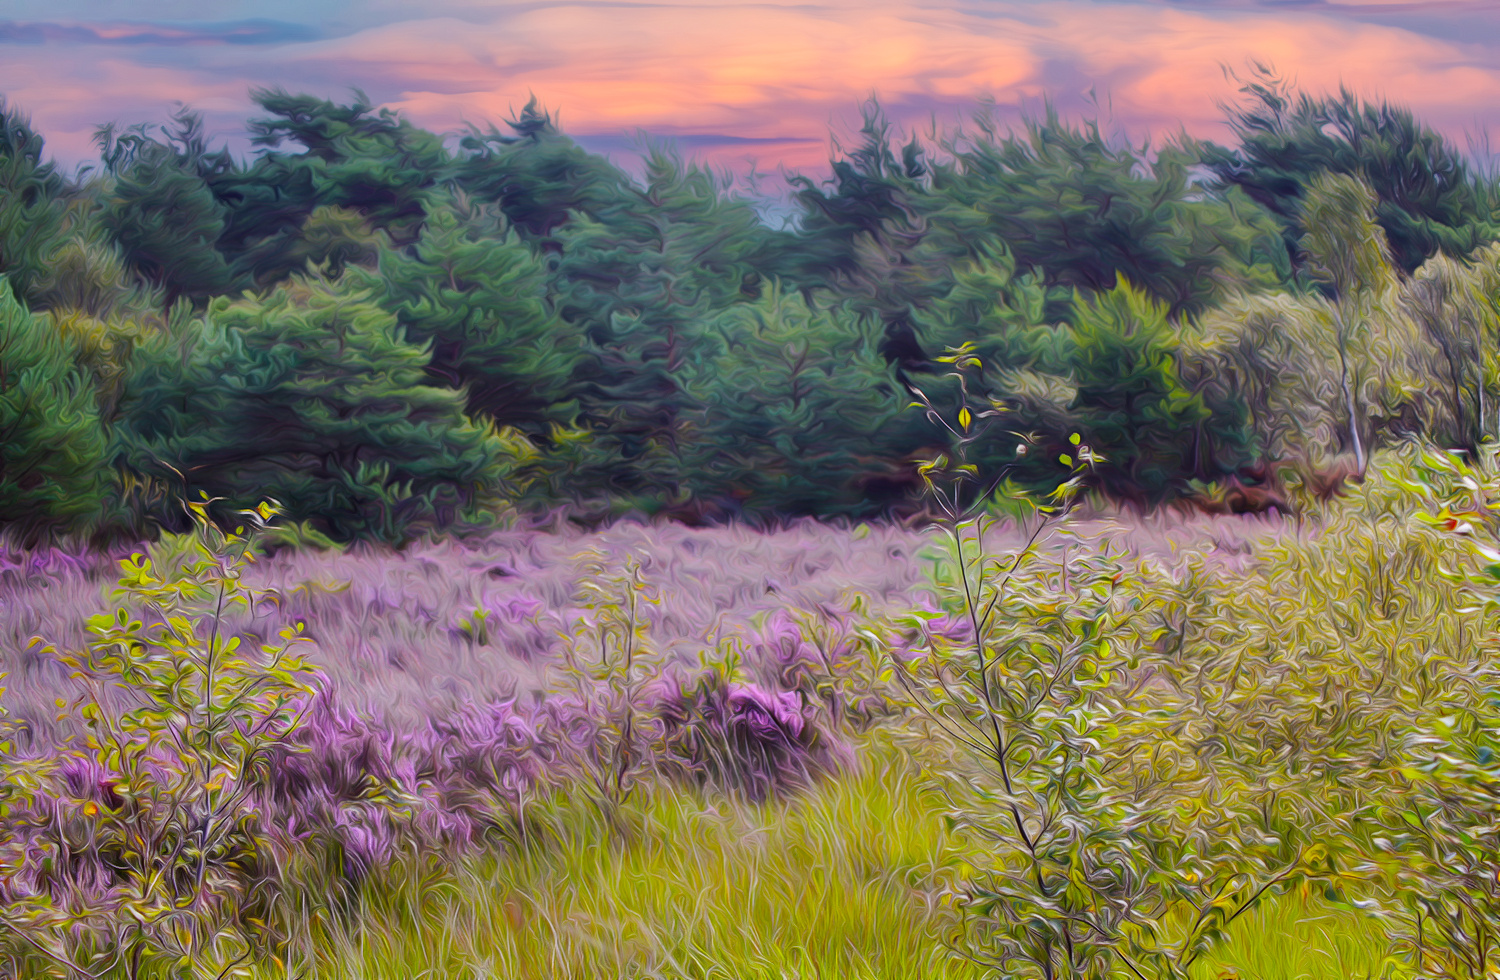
(1238, 746)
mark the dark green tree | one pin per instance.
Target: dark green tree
(32, 205)
(53, 449)
(161, 210)
(1427, 198)
(352, 157)
(797, 410)
(473, 293)
(537, 175)
(639, 285)
(1084, 213)
(876, 233)
(1154, 433)
(1003, 314)
(312, 396)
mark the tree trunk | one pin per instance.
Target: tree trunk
(1349, 399)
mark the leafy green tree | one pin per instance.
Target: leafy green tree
(32, 205)
(53, 449)
(537, 175)
(473, 293)
(1450, 301)
(1426, 197)
(162, 211)
(1134, 409)
(312, 396)
(799, 410)
(375, 164)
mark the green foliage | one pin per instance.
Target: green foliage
(476, 296)
(1151, 429)
(1427, 198)
(32, 208)
(799, 410)
(88, 275)
(1084, 214)
(1437, 841)
(1115, 843)
(162, 211)
(374, 163)
(335, 237)
(1344, 245)
(310, 394)
(53, 449)
(1002, 313)
(639, 282)
(177, 826)
(1454, 304)
(1375, 361)
(539, 177)
(876, 234)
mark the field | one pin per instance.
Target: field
(653, 750)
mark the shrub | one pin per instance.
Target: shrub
(149, 848)
(1108, 847)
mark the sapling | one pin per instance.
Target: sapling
(1025, 671)
(172, 825)
(609, 660)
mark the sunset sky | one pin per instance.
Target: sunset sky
(733, 81)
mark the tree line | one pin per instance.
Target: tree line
(393, 333)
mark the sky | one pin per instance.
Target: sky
(737, 84)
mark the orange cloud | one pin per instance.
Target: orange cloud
(783, 72)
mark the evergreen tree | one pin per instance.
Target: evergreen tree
(166, 219)
(800, 413)
(473, 293)
(876, 233)
(639, 285)
(310, 395)
(354, 158)
(1427, 199)
(53, 450)
(1082, 213)
(32, 205)
(537, 175)
(1153, 432)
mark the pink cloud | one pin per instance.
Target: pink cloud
(774, 72)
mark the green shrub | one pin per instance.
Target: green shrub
(155, 861)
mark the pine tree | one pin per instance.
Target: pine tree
(476, 295)
(799, 412)
(32, 208)
(311, 396)
(53, 449)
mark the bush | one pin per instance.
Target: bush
(147, 846)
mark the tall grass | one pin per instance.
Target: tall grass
(843, 881)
